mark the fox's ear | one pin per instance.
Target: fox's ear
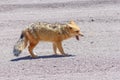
(72, 22)
(69, 26)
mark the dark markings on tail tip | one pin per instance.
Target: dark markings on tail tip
(16, 52)
(16, 55)
(21, 36)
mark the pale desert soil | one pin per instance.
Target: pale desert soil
(95, 57)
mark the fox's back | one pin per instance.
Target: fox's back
(46, 31)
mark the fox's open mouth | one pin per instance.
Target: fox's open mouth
(77, 37)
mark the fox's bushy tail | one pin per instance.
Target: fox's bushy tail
(20, 45)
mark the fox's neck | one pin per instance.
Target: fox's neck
(66, 35)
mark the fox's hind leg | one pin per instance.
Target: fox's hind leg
(32, 43)
(31, 47)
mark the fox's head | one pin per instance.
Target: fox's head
(74, 29)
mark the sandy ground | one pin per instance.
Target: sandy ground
(95, 57)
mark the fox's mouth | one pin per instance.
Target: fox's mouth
(77, 36)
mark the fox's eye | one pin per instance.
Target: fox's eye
(77, 31)
(70, 27)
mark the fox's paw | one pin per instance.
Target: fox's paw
(34, 55)
(65, 54)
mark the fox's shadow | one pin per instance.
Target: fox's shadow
(43, 57)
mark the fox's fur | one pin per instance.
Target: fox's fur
(54, 33)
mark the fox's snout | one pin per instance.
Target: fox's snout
(77, 36)
(81, 34)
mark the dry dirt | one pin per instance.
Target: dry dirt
(95, 57)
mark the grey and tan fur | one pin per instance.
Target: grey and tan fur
(54, 33)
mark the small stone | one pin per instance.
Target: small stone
(23, 68)
(54, 66)
(92, 20)
(91, 42)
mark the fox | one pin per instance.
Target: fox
(42, 31)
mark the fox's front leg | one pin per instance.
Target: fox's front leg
(55, 48)
(59, 46)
